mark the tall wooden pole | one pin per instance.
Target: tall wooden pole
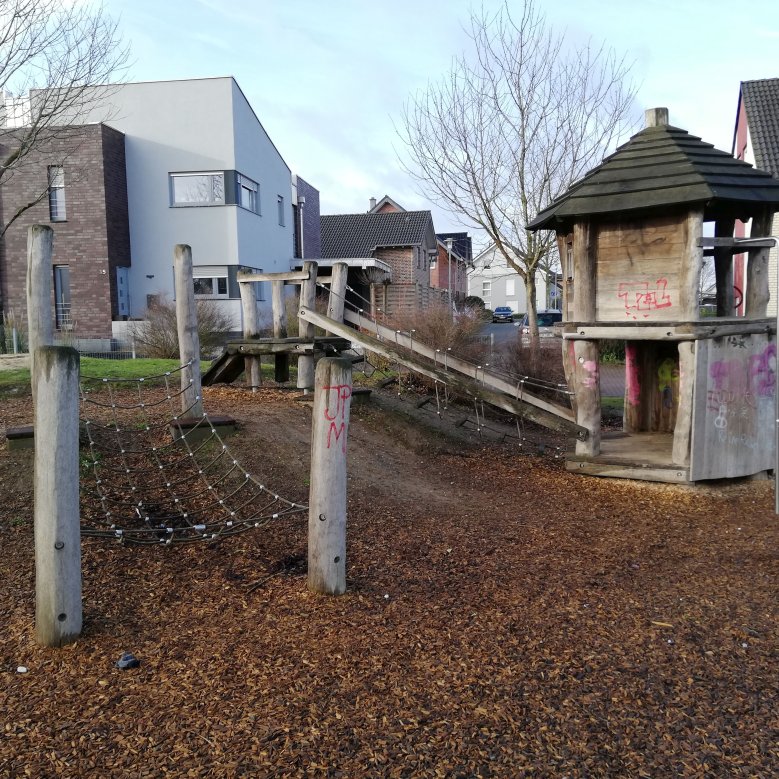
(251, 329)
(186, 323)
(305, 329)
(683, 428)
(281, 361)
(335, 305)
(758, 292)
(586, 365)
(57, 530)
(327, 498)
(40, 324)
(723, 270)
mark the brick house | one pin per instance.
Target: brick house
(393, 249)
(756, 141)
(449, 270)
(84, 199)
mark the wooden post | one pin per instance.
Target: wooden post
(40, 326)
(758, 291)
(306, 329)
(586, 372)
(327, 497)
(683, 429)
(335, 305)
(186, 323)
(251, 329)
(281, 361)
(690, 270)
(57, 529)
(723, 269)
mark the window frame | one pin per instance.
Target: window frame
(56, 181)
(280, 205)
(244, 183)
(212, 200)
(214, 279)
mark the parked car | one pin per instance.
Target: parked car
(546, 322)
(502, 314)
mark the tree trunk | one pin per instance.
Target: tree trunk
(532, 312)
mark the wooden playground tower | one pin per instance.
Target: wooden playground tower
(699, 392)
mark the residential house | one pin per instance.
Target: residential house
(449, 270)
(392, 251)
(199, 169)
(84, 199)
(498, 284)
(756, 141)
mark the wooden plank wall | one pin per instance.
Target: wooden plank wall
(638, 269)
(733, 413)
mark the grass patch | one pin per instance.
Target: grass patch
(613, 402)
(17, 380)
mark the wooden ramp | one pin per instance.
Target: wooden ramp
(462, 376)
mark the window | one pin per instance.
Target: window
(56, 193)
(511, 287)
(197, 189)
(62, 317)
(486, 289)
(211, 286)
(248, 193)
(281, 210)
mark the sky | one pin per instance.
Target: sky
(328, 78)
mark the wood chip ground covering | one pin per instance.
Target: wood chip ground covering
(503, 618)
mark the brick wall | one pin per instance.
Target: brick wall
(94, 239)
(439, 276)
(397, 299)
(409, 264)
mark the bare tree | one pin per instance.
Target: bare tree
(53, 55)
(512, 125)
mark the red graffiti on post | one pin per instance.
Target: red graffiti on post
(337, 418)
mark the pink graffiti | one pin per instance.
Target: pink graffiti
(342, 394)
(591, 380)
(632, 375)
(639, 299)
(755, 376)
(762, 372)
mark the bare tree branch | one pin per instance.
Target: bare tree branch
(511, 126)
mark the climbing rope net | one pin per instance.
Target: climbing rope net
(441, 402)
(160, 475)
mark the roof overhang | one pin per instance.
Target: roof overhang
(360, 263)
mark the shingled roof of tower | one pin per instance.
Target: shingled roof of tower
(661, 167)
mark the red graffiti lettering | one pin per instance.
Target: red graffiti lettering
(639, 299)
(342, 394)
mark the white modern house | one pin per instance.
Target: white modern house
(201, 170)
(497, 284)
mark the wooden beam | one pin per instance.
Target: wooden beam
(758, 292)
(289, 276)
(671, 331)
(737, 244)
(461, 366)
(690, 268)
(723, 269)
(522, 406)
(584, 281)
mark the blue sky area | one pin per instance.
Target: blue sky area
(328, 78)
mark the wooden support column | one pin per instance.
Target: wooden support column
(327, 497)
(586, 372)
(280, 361)
(40, 323)
(306, 330)
(251, 329)
(683, 428)
(186, 324)
(690, 270)
(723, 269)
(335, 305)
(758, 292)
(57, 528)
